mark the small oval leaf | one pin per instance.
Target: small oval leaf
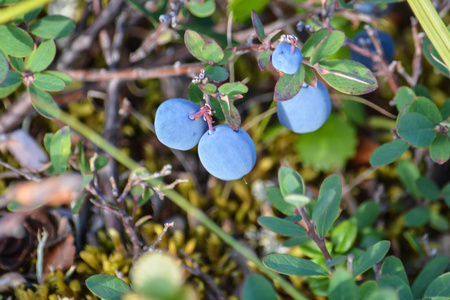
(233, 89)
(43, 102)
(417, 130)
(258, 26)
(258, 287)
(212, 52)
(347, 76)
(194, 43)
(282, 227)
(289, 85)
(53, 27)
(372, 256)
(342, 286)
(389, 152)
(4, 67)
(15, 41)
(216, 73)
(293, 265)
(42, 57)
(48, 82)
(329, 45)
(202, 9)
(440, 149)
(107, 286)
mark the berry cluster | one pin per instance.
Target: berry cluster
(226, 154)
(310, 108)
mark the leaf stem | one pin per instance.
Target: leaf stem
(182, 202)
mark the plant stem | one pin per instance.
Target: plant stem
(311, 231)
(433, 26)
(178, 199)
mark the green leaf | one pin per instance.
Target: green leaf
(194, 43)
(408, 174)
(445, 109)
(330, 146)
(394, 266)
(202, 9)
(297, 200)
(372, 256)
(440, 149)
(343, 236)
(404, 96)
(327, 208)
(228, 54)
(290, 181)
(231, 114)
(293, 265)
(427, 108)
(431, 271)
(17, 63)
(389, 152)
(296, 241)
(328, 46)
(312, 42)
(337, 260)
(208, 88)
(15, 41)
(195, 94)
(107, 286)
(367, 288)
(289, 85)
(439, 222)
(417, 130)
(446, 193)
(42, 57)
(233, 89)
(216, 73)
(342, 286)
(347, 76)
(433, 56)
(366, 214)
(242, 9)
(52, 27)
(427, 188)
(29, 16)
(43, 102)
(282, 227)
(258, 287)
(385, 294)
(10, 84)
(397, 284)
(66, 78)
(276, 198)
(4, 67)
(440, 287)
(212, 52)
(310, 76)
(258, 26)
(60, 150)
(48, 82)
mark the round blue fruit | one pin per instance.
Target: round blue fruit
(174, 127)
(307, 111)
(227, 154)
(286, 61)
(363, 40)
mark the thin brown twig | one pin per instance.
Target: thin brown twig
(19, 172)
(159, 239)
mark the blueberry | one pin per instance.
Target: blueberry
(227, 154)
(307, 111)
(174, 127)
(284, 60)
(363, 40)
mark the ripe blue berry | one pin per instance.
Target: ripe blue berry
(174, 127)
(227, 154)
(307, 111)
(363, 40)
(284, 60)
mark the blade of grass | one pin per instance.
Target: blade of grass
(178, 199)
(433, 26)
(9, 13)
